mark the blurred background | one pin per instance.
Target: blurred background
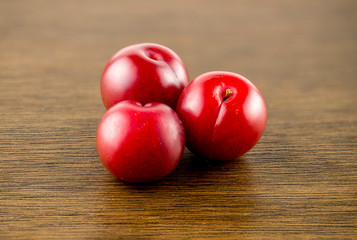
(262, 40)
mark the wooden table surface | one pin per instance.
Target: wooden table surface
(298, 182)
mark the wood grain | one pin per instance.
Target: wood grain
(298, 182)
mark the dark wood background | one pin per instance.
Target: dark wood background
(299, 181)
